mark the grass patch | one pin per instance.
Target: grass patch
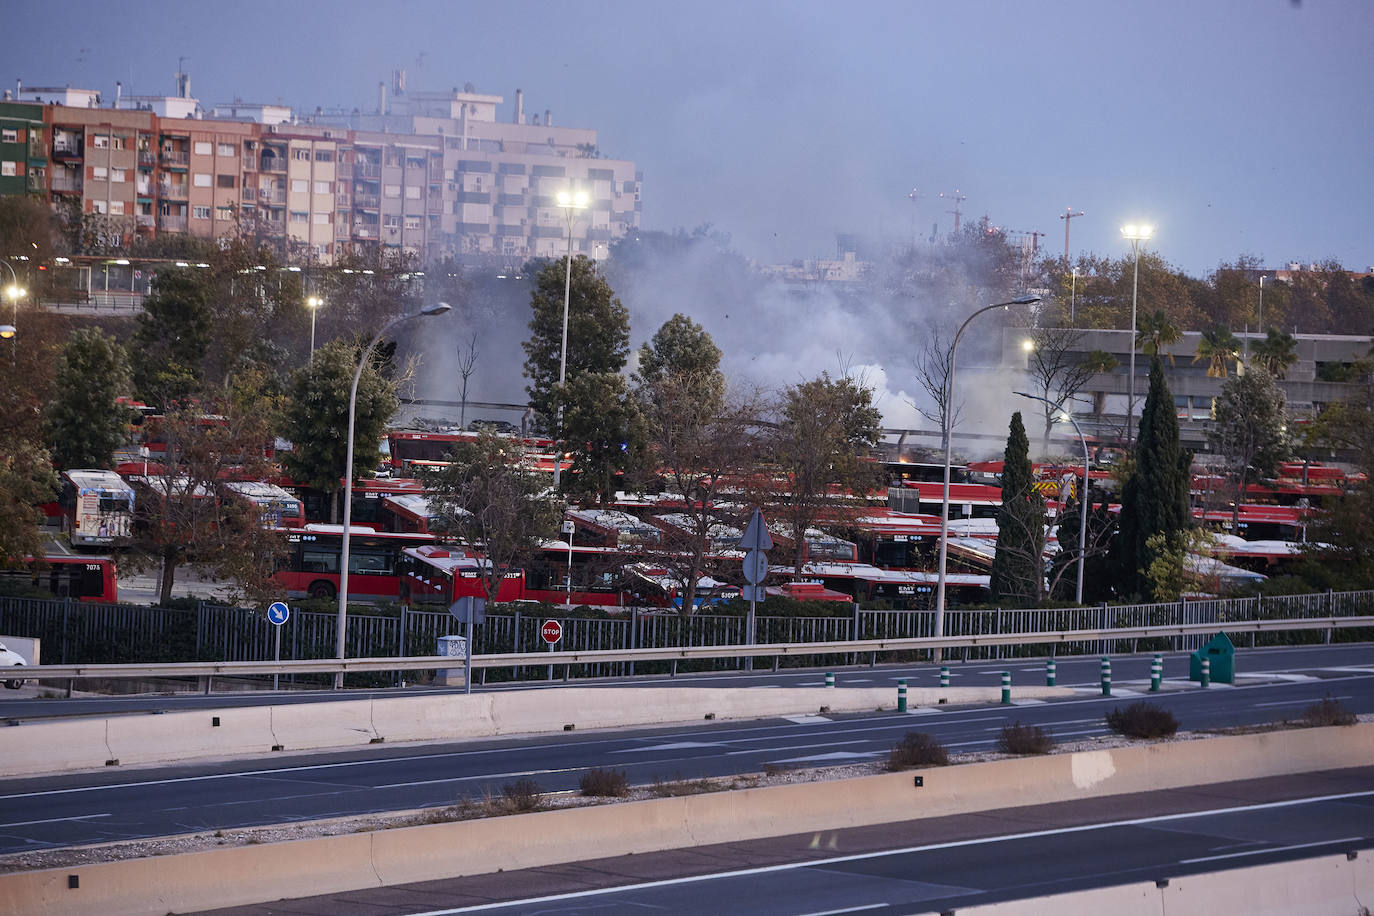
(1024, 739)
(522, 796)
(600, 783)
(917, 749)
(1142, 720)
(1325, 712)
(678, 787)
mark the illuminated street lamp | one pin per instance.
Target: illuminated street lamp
(437, 308)
(1135, 235)
(14, 292)
(1082, 496)
(949, 439)
(313, 303)
(570, 202)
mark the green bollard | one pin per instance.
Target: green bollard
(830, 679)
(1006, 688)
(1205, 675)
(944, 676)
(1106, 676)
(1049, 673)
(901, 694)
(1156, 673)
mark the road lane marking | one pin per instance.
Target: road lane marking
(850, 909)
(1260, 852)
(1296, 702)
(57, 820)
(808, 720)
(859, 857)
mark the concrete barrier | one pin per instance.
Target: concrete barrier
(254, 874)
(43, 747)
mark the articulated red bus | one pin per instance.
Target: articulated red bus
(314, 557)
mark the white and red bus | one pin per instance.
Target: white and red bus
(97, 508)
(276, 507)
(313, 559)
(64, 576)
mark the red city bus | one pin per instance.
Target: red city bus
(78, 578)
(313, 559)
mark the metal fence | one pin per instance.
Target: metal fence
(79, 633)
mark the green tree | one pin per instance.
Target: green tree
(1276, 352)
(826, 428)
(27, 479)
(488, 498)
(84, 423)
(1155, 333)
(598, 335)
(604, 431)
(1154, 499)
(1097, 570)
(1219, 348)
(316, 418)
(1249, 432)
(172, 336)
(1017, 566)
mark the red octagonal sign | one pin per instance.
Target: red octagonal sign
(552, 631)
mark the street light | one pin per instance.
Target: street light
(571, 202)
(437, 308)
(314, 303)
(1082, 496)
(1073, 295)
(15, 292)
(1135, 235)
(949, 439)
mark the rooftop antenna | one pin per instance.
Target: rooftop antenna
(958, 198)
(1067, 216)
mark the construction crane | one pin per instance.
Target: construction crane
(958, 199)
(1067, 216)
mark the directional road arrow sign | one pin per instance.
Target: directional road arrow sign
(278, 613)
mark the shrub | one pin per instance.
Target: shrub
(522, 795)
(605, 783)
(1327, 711)
(1142, 720)
(917, 749)
(680, 787)
(1024, 739)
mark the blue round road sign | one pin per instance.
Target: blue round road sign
(278, 613)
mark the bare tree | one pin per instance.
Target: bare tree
(467, 363)
(933, 364)
(1059, 372)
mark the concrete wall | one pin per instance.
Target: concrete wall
(252, 874)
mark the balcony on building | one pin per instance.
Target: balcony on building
(66, 181)
(175, 190)
(272, 163)
(175, 159)
(367, 201)
(37, 180)
(147, 158)
(146, 221)
(367, 171)
(272, 196)
(169, 223)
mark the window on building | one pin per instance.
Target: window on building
(224, 214)
(99, 173)
(392, 221)
(118, 175)
(299, 216)
(392, 190)
(9, 169)
(301, 155)
(412, 222)
(98, 206)
(226, 149)
(202, 148)
(225, 181)
(100, 141)
(117, 208)
(324, 155)
(200, 180)
(412, 192)
(300, 185)
(200, 212)
(321, 219)
(9, 135)
(323, 187)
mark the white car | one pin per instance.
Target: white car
(11, 659)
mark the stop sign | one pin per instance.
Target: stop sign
(552, 631)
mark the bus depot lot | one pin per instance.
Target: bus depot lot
(350, 860)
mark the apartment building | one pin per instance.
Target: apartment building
(23, 151)
(432, 175)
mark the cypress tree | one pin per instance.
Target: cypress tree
(1154, 499)
(1017, 568)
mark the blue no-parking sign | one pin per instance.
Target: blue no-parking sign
(278, 613)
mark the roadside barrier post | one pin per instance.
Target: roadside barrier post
(830, 679)
(1006, 688)
(901, 694)
(944, 675)
(1106, 676)
(1156, 673)
(1206, 679)
(1050, 668)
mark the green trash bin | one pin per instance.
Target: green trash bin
(1221, 653)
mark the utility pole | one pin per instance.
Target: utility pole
(913, 196)
(1067, 216)
(958, 198)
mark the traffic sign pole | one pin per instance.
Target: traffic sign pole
(277, 614)
(551, 631)
(756, 540)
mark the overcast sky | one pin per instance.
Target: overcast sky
(1234, 126)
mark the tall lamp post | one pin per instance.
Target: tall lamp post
(14, 292)
(1082, 496)
(570, 202)
(437, 308)
(1073, 296)
(948, 430)
(313, 303)
(1135, 235)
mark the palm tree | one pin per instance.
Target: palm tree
(1219, 347)
(1155, 332)
(1277, 352)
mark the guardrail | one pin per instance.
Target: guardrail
(871, 647)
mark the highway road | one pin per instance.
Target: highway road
(114, 805)
(927, 866)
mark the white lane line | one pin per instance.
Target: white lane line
(796, 747)
(1295, 702)
(432, 782)
(670, 746)
(851, 909)
(859, 857)
(1260, 852)
(57, 820)
(807, 720)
